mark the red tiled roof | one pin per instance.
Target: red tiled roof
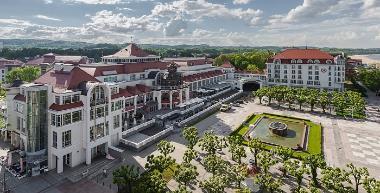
(20, 97)
(131, 50)
(143, 88)
(303, 54)
(124, 68)
(66, 80)
(133, 90)
(63, 107)
(122, 93)
(52, 58)
(227, 64)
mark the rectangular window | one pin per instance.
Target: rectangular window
(142, 76)
(133, 77)
(58, 120)
(66, 118)
(66, 138)
(66, 99)
(299, 67)
(76, 98)
(53, 119)
(54, 139)
(57, 100)
(77, 116)
(116, 121)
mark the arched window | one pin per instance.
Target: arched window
(277, 61)
(293, 61)
(328, 62)
(316, 61)
(299, 61)
(310, 61)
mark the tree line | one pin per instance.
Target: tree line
(231, 174)
(370, 78)
(253, 61)
(348, 103)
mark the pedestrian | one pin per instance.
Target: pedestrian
(105, 173)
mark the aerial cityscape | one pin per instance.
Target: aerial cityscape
(182, 96)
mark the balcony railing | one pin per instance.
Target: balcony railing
(148, 140)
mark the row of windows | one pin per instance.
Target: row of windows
(99, 131)
(66, 139)
(116, 105)
(110, 79)
(67, 99)
(99, 112)
(65, 119)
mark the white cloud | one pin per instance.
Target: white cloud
(48, 1)
(241, 1)
(39, 16)
(175, 27)
(110, 2)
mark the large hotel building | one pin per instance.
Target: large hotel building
(74, 113)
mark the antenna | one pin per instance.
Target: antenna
(131, 39)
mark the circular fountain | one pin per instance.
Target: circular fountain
(278, 128)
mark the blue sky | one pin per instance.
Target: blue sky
(331, 23)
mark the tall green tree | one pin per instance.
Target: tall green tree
(268, 182)
(297, 169)
(358, 174)
(214, 164)
(324, 100)
(185, 174)
(236, 149)
(189, 155)
(283, 154)
(214, 184)
(191, 136)
(312, 98)
(371, 185)
(336, 179)
(255, 146)
(210, 143)
(265, 161)
(27, 74)
(315, 162)
(126, 177)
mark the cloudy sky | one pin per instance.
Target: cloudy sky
(331, 23)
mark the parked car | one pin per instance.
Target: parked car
(225, 107)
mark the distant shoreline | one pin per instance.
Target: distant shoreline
(368, 59)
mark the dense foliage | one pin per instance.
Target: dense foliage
(253, 61)
(348, 103)
(370, 78)
(27, 74)
(229, 174)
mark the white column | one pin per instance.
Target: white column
(180, 96)
(187, 94)
(135, 103)
(171, 99)
(144, 98)
(88, 156)
(59, 164)
(159, 100)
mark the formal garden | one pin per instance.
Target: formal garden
(274, 169)
(345, 104)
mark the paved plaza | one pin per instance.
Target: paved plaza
(344, 141)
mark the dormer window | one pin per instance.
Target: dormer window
(277, 61)
(310, 61)
(317, 62)
(293, 61)
(299, 61)
(328, 62)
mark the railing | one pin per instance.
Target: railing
(146, 141)
(192, 108)
(168, 114)
(137, 128)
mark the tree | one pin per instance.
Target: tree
(155, 183)
(301, 96)
(189, 155)
(215, 184)
(165, 147)
(371, 185)
(266, 161)
(126, 176)
(210, 143)
(181, 189)
(236, 174)
(314, 162)
(267, 182)
(297, 169)
(185, 174)
(27, 74)
(359, 175)
(236, 149)
(312, 98)
(283, 154)
(290, 96)
(255, 146)
(324, 100)
(214, 164)
(260, 93)
(191, 136)
(335, 179)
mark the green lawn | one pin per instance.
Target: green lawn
(314, 140)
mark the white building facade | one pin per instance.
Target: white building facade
(308, 68)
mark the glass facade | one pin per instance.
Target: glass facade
(36, 120)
